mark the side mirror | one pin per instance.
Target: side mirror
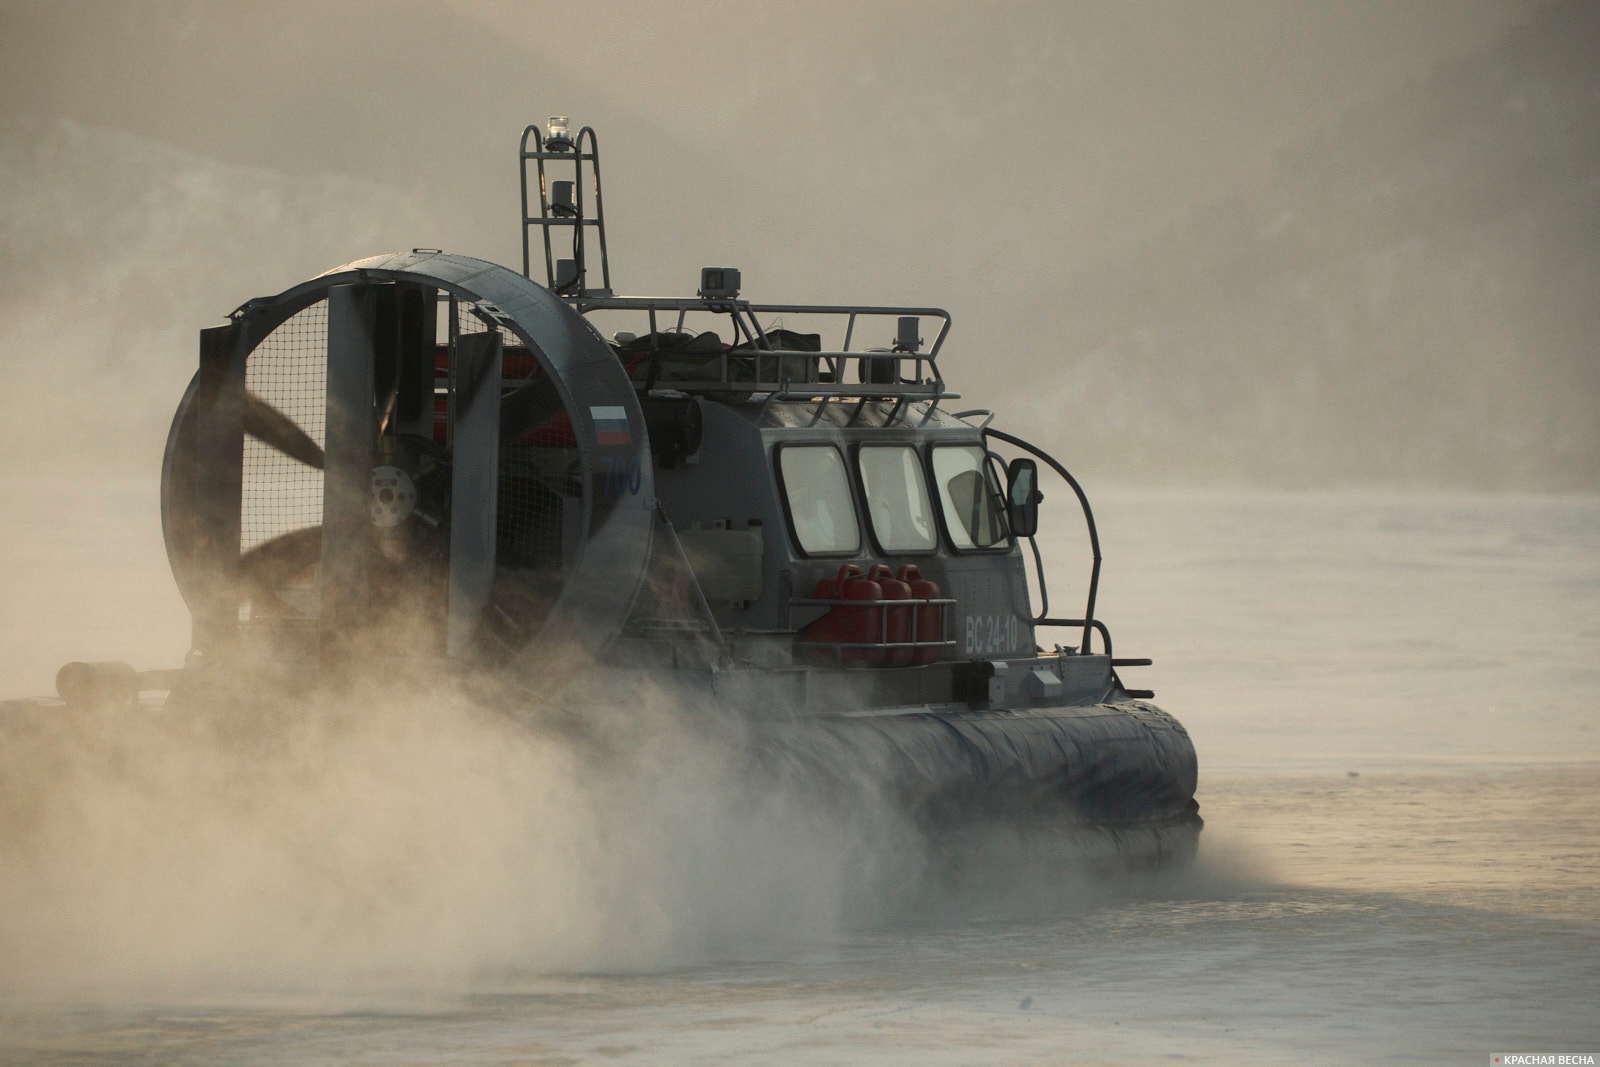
(1023, 496)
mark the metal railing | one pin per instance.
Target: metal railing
(908, 604)
(755, 363)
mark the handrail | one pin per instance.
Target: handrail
(787, 390)
(596, 302)
(910, 604)
(754, 342)
(1088, 621)
(1105, 635)
(841, 602)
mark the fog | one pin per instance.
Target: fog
(400, 838)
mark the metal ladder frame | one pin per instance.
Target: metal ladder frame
(572, 152)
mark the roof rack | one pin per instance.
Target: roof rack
(902, 371)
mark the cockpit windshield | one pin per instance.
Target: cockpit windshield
(820, 506)
(968, 496)
(897, 498)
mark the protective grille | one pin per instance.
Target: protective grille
(528, 522)
(289, 371)
(532, 472)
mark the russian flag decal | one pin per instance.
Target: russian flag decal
(611, 425)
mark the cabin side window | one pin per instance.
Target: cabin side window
(969, 497)
(897, 498)
(816, 492)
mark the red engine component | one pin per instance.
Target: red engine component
(845, 625)
(898, 626)
(930, 617)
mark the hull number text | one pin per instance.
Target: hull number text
(990, 633)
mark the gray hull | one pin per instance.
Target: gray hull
(1126, 766)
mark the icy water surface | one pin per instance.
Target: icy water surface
(1394, 701)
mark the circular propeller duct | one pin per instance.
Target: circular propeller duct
(416, 455)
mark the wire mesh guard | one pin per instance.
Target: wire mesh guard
(289, 370)
(537, 471)
(533, 469)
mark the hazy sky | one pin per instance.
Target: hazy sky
(1110, 117)
(963, 154)
(1134, 109)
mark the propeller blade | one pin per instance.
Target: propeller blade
(272, 563)
(474, 484)
(267, 424)
(347, 474)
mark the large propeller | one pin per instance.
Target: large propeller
(380, 387)
(466, 547)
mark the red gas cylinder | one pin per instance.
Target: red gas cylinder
(845, 625)
(898, 627)
(930, 617)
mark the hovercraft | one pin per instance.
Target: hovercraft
(553, 493)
